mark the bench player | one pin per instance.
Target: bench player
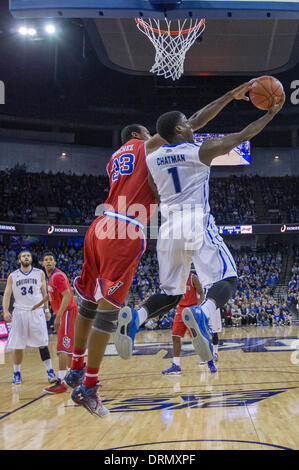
(112, 253)
(29, 328)
(179, 175)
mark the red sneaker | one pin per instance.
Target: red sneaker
(58, 387)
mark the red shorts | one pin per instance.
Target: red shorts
(65, 333)
(178, 327)
(110, 262)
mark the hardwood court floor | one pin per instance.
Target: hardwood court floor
(252, 402)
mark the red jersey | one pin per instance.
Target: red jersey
(57, 283)
(190, 296)
(127, 171)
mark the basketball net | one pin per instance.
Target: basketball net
(171, 45)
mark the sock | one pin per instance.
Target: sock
(61, 374)
(215, 348)
(91, 376)
(48, 364)
(176, 361)
(78, 359)
(209, 308)
(142, 315)
(17, 367)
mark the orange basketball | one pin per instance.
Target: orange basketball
(263, 90)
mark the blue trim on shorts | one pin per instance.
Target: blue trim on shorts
(81, 293)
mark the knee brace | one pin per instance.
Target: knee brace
(215, 339)
(158, 304)
(222, 291)
(88, 310)
(105, 320)
(44, 353)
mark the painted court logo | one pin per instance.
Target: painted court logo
(194, 400)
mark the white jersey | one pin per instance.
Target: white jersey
(26, 288)
(181, 178)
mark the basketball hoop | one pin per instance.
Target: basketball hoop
(171, 45)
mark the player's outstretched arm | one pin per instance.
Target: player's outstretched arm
(154, 143)
(212, 148)
(206, 114)
(6, 299)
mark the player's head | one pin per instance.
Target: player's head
(49, 261)
(174, 127)
(134, 131)
(25, 258)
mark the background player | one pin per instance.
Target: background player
(213, 259)
(65, 310)
(29, 328)
(194, 295)
(110, 263)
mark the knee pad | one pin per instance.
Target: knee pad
(158, 304)
(44, 353)
(105, 320)
(222, 291)
(88, 310)
(215, 339)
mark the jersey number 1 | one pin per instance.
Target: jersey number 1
(175, 176)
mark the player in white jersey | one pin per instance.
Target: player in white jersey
(178, 175)
(29, 328)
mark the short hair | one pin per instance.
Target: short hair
(126, 133)
(24, 251)
(49, 253)
(167, 123)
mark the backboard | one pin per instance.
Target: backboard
(240, 38)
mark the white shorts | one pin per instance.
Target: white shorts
(27, 329)
(212, 260)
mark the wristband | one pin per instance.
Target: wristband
(47, 310)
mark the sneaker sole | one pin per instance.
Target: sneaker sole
(122, 340)
(171, 373)
(200, 342)
(90, 410)
(53, 393)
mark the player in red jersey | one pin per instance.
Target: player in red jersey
(194, 295)
(113, 246)
(65, 310)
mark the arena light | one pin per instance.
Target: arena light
(32, 32)
(23, 31)
(50, 29)
(276, 157)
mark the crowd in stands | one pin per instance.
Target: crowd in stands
(293, 287)
(232, 200)
(253, 303)
(69, 259)
(280, 195)
(73, 199)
